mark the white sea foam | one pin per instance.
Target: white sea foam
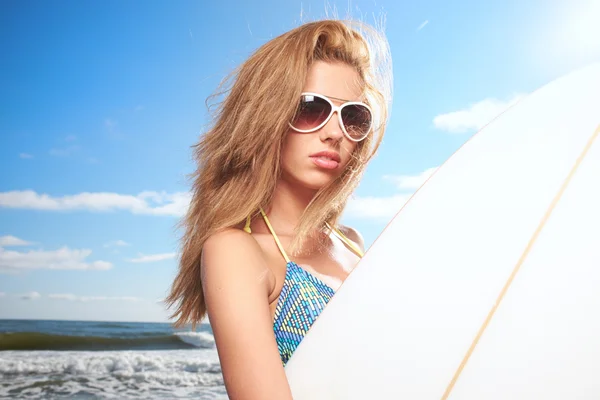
(111, 374)
(199, 339)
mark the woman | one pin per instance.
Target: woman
(304, 115)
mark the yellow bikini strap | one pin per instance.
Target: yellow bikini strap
(247, 227)
(283, 253)
(338, 233)
(348, 242)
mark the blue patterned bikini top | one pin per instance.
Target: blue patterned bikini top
(303, 297)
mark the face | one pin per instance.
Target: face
(303, 162)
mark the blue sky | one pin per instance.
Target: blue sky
(101, 101)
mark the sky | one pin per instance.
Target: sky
(100, 103)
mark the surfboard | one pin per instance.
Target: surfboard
(486, 284)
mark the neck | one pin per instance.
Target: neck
(287, 206)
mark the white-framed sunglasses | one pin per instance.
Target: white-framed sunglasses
(315, 110)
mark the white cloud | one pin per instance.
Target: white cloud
(475, 116)
(386, 207)
(72, 297)
(376, 207)
(423, 25)
(63, 258)
(112, 128)
(110, 124)
(26, 155)
(117, 243)
(148, 203)
(64, 296)
(153, 258)
(30, 296)
(64, 152)
(10, 241)
(410, 182)
(2, 294)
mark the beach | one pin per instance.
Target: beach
(43, 359)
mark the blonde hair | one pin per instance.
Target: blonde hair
(238, 157)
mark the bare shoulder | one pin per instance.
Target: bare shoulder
(353, 235)
(228, 237)
(232, 253)
(236, 285)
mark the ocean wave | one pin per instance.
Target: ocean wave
(43, 341)
(111, 374)
(113, 325)
(197, 339)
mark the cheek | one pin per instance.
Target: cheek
(347, 150)
(291, 150)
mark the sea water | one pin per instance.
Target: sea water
(42, 359)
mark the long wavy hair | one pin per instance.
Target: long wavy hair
(238, 157)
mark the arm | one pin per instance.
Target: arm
(237, 284)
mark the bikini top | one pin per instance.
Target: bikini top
(303, 297)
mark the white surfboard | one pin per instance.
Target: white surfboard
(486, 285)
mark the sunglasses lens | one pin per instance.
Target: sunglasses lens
(357, 120)
(312, 111)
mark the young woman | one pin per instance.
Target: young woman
(305, 114)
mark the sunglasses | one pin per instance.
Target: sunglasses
(315, 110)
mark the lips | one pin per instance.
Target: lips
(326, 159)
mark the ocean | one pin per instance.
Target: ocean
(42, 359)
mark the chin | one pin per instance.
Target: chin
(315, 181)
(316, 186)
(309, 178)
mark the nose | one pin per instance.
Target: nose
(332, 129)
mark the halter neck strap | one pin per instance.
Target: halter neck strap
(348, 242)
(336, 231)
(283, 253)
